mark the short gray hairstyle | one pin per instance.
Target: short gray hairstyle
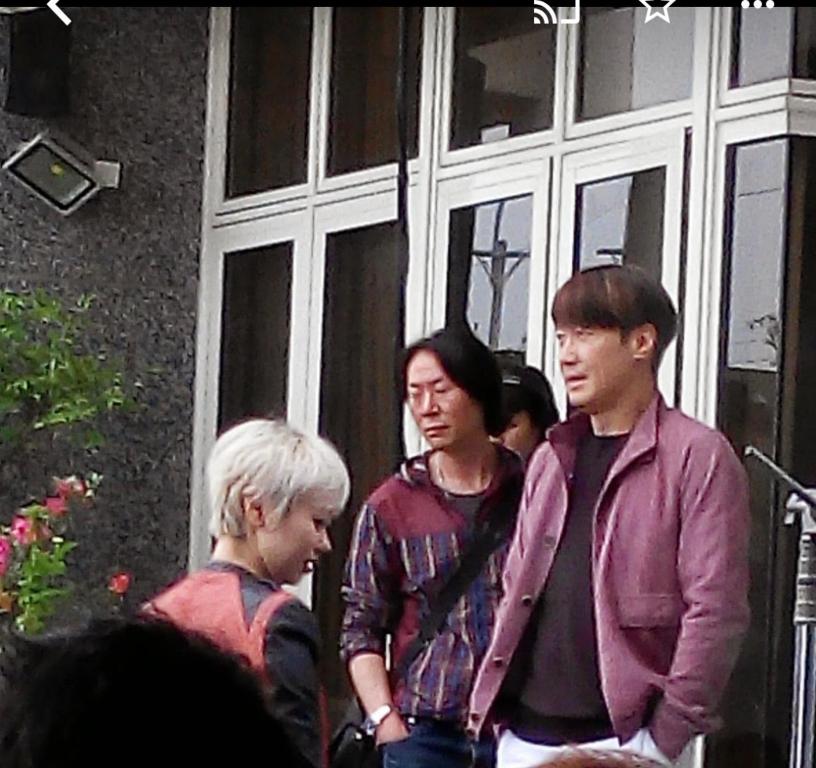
(269, 460)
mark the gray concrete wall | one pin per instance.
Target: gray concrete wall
(138, 84)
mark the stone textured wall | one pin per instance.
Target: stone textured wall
(138, 85)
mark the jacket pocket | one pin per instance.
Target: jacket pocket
(650, 610)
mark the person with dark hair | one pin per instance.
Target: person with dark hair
(273, 491)
(134, 693)
(626, 583)
(528, 406)
(413, 533)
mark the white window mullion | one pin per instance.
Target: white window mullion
(209, 280)
(707, 370)
(206, 394)
(701, 179)
(219, 242)
(666, 151)
(216, 138)
(321, 64)
(537, 307)
(423, 193)
(318, 96)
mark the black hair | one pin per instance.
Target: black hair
(525, 388)
(469, 364)
(617, 296)
(134, 693)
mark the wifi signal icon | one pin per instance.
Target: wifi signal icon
(543, 13)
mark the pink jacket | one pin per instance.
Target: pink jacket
(670, 573)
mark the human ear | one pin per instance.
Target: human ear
(643, 341)
(253, 513)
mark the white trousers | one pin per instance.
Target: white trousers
(514, 752)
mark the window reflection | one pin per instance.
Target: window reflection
(761, 404)
(489, 270)
(360, 408)
(621, 220)
(269, 98)
(772, 43)
(255, 333)
(627, 64)
(756, 248)
(503, 75)
(762, 37)
(363, 124)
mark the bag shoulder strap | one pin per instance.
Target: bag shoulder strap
(458, 582)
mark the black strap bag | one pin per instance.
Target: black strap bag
(351, 746)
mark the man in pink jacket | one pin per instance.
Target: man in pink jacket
(625, 588)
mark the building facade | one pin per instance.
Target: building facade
(535, 149)
(686, 147)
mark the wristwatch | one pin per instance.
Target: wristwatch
(372, 722)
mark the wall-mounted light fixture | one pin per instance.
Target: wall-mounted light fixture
(61, 174)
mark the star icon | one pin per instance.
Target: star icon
(657, 9)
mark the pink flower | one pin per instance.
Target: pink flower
(66, 487)
(23, 530)
(119, 583)
(5, 554)
(56, 505)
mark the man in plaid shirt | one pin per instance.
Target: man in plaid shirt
(410, 536)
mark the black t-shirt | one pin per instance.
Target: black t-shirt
(466, 504)
(553, 691)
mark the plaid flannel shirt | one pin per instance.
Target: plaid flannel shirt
(407, 540)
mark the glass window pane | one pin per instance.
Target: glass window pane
(269, 99)
(748, 412)
(766, 382)
(360, 407)
(503, 75)
(804, 59)
(363, 124)
(489, 270)
(627, 64)
(621, 219)
(762, 37)
(255, 333)
(758, 240)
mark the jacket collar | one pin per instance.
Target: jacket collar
(223, 566)
(643, 439)
(506, 483)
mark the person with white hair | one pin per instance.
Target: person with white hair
(274, 491)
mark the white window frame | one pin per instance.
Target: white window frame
(332, 219)
(728, 96)
(218, 123)
(547, 164)
(486, 187)
(782, 86)
(499, 149)
(760, 127)
(379, 173)
(294, 228)
(647, 115)
(663, 150)
(338, 217)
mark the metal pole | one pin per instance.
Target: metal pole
(804, 620)
(802, 504)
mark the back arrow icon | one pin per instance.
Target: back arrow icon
(61, 15)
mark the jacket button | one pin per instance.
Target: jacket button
(498, 661)
(548, 541)
(527, 600)
(475, 717)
